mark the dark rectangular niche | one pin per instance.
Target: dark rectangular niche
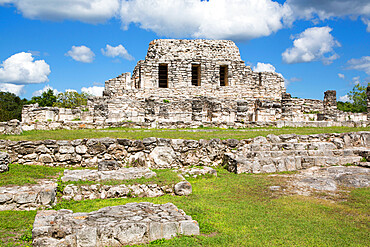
(163, 75)
(223, 75)
(195, 74)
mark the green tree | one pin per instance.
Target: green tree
(10, 106)
(47, 98)
(358, 100)
(71, 99)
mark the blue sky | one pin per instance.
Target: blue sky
(315, 45)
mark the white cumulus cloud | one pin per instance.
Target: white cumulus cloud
(81, 54)
(94, 90)
(12, 88)
(215, 19)
(362, 64)
(90, 11)
(22, 69)
(264, 67)
(341, 76)
(45, 89)
(117, 51)
(344, 98)
(313, 44)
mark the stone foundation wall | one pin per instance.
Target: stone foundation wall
(12, 127)
(28, 197)
(160, 153)
(161, 111)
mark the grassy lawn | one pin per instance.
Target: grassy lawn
(28, 174)
(174, 134)
(239, 210)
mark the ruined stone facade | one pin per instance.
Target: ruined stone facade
(192, 83)
(189, 68)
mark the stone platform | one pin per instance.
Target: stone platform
(292, 152)
(95, 175)
(330, 179)
(132, 223)
(28, 197)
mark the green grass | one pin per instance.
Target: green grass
(28, 174)
(205, 133)
(14, 226)
(239, 210)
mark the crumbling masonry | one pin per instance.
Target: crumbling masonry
(190, 83)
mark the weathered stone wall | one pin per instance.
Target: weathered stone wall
(28, 197)
(166, 153)
(12, 127)
(34, 113)
(4, 162)
(132, 223)
(161, 112)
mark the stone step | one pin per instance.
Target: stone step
(95, 175)
(274, 154)
(296, 146)
(241, 164)
(132, 223)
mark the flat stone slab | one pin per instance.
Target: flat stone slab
(132, 223)
(28, 197)
(330, 178)
(196, 171)
(95, 175)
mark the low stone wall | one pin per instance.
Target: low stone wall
(4, 162)
(161, 153)
(98, 191)
(28, 197)
(12, 127)
(132, 223)
(69, 125)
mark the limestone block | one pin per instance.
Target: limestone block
(45, 158)
(81, 149)
(66, 149)
(108, 165)
(183, 188)
(163, 157)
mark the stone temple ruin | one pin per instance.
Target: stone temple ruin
(192, 83)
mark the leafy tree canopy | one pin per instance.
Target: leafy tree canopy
(358, 100)
(10, 106)
(47, 98)
(71, 99)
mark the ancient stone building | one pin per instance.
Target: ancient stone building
(191, 83)
(194, 68)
